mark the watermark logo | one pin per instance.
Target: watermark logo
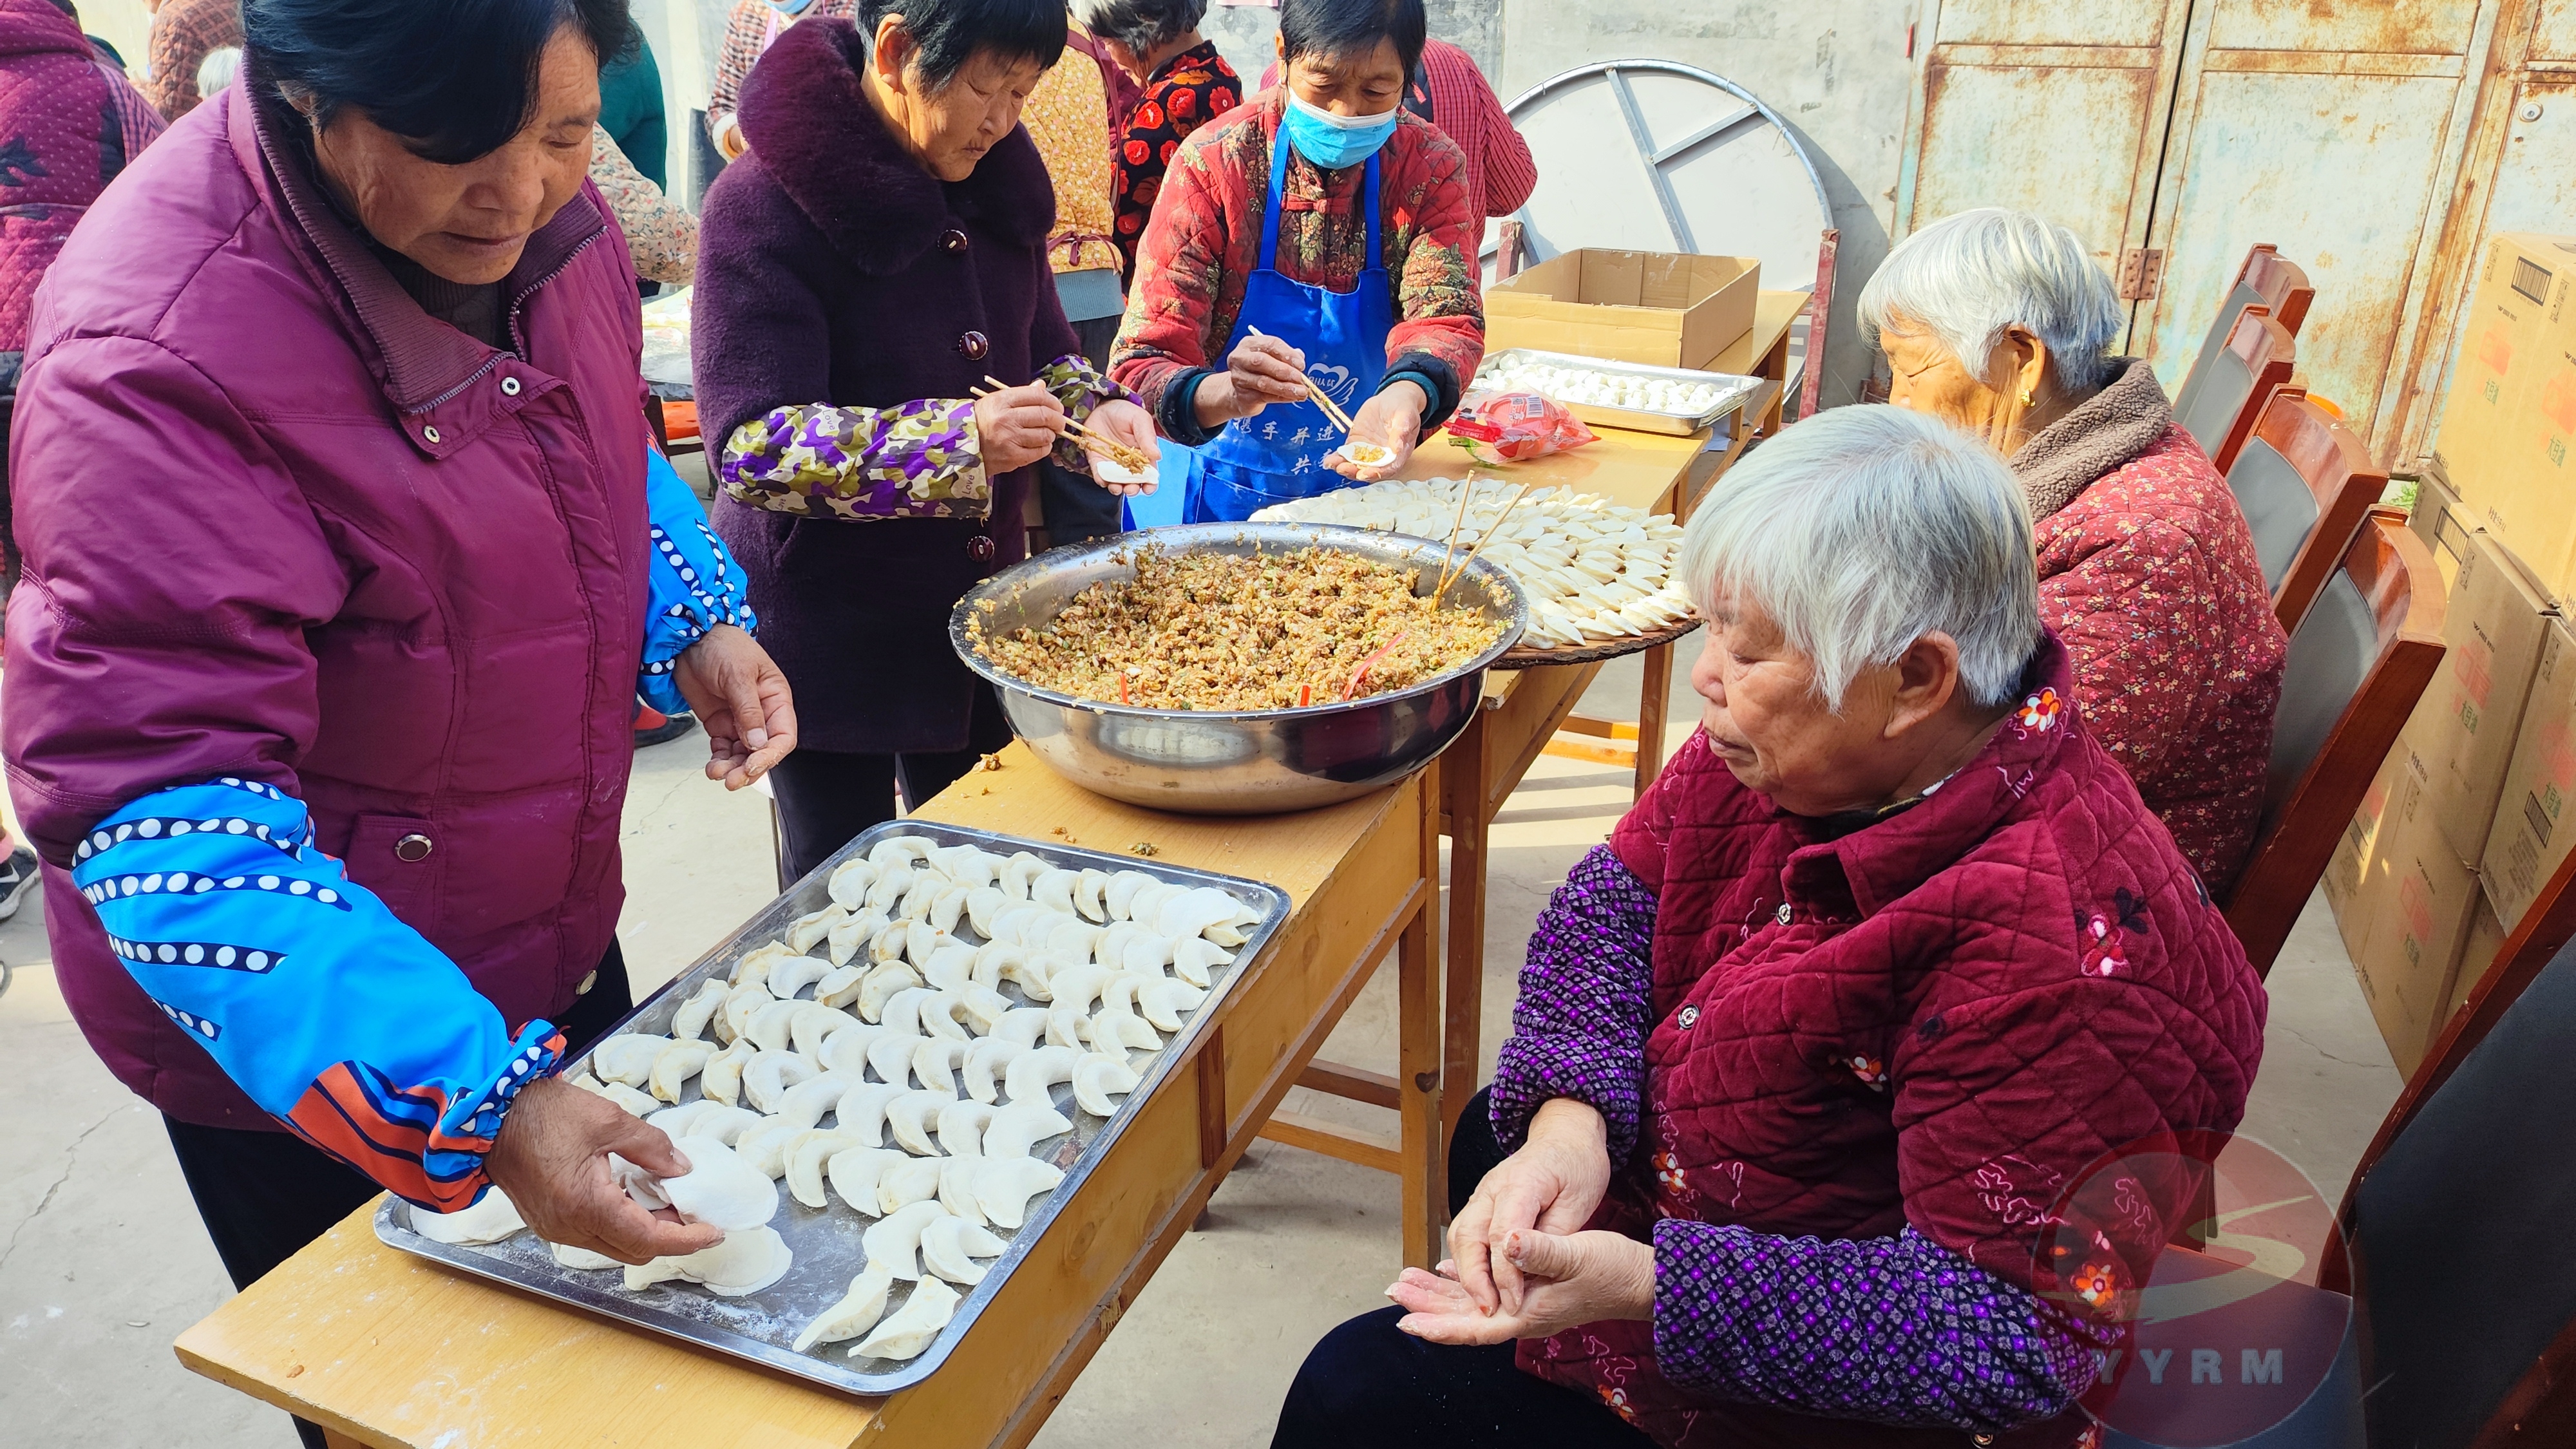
(2222, 1336)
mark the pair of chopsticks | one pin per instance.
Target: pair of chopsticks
(1101, 443)
(1448, 575)
(1332, 410)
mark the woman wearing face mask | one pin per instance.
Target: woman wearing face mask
(346, 554)
(876, 255)
(1318, 232)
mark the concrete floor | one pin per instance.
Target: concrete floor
(102, 1260)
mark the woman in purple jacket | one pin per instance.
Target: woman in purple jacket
(346, 553)
(881, 251)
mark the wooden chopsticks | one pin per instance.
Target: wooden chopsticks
(1449, 550)
(1332, 409)
(1451, 578)
(1101, 443)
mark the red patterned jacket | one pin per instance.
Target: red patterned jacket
(2147, 572)
(1938, 1021)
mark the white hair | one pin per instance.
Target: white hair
(1966, 278)
(1864, 528)
(216, 71)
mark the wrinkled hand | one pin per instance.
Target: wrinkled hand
(1017, 426)
(1123, 421)
(738, 693)
(551, 1157)
(1585, 1278)
(1551, 1185)
(728, 137)
(1260, 371)
(1392, 419)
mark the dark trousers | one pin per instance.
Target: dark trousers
(1370, 1385)
(1077, 509)
(265, 1195)
(826, 799)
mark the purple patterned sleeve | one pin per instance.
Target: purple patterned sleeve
(1579, 1028)
(1890, 1330)
(917, 459)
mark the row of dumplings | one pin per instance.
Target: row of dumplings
(872, 1060)
(1602, 387)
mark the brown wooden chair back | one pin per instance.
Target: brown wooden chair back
(2220, 404)
(2265, 281)
(2357, 664)
(2305, 484)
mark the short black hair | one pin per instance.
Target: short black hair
(947, 33)
(456, 79)
(1140, 25)
(1335, 28)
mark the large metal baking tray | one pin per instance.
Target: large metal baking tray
(1737, 390)
(761, 1327)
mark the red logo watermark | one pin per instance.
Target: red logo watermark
(2218, 1338)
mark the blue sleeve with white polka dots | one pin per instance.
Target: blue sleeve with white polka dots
(332, 1015)
(696, 585)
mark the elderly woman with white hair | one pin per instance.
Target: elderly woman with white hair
(1998, 323)
(1806, 1056)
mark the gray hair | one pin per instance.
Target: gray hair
(1966, 278)
(1140, 25)
(1864, 528)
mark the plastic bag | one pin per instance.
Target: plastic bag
(1511, 427)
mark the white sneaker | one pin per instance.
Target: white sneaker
(16, 877)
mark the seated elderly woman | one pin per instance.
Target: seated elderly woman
(1884, 961)
(1996, 322)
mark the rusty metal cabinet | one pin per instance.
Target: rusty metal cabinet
(2379, 142)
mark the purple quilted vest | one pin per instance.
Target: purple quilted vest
(294, 448)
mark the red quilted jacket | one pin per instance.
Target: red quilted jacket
(1939, 1020)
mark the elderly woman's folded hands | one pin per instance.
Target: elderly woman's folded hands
(1522, 1225)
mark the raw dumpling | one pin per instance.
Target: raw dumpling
(1087, 889)
(1020, 872)
(934, 1063)
(814, 1025)
(764, 1148)
(890, 1055)
(1022, 1026)
(691, 1019)
(961, 1128)
(630, 1101)
(1118, 1027)
(1004, 1185)
(1020, 1126)
(910, 1116)
(858, 1310)
(949, 1246)
(950, 967)
(1193, 959)
(754, 967)
(1054, 890)
(986, 1057)
(806, 1153)
(1076, 987)
(1121, 892)
(489, 1219)
(1097, 1078)
(856, 1171)
(850, 936)
(770, 1074)
(893, 1240)
(913, 1180)
(805, 1103)
(914, 1325)
(790, 977)
(706, 1117)
(721, 1077)
(901, 850)
(745, 1262)
(583, 1260)
(1163, 999)
(944, 1015)
(768, 1026)
(903, 1009)
(627, 1058)
(840, 985)
(882, 985)
(1032, 1073)
(806, 932)
(984, 906)
(675, 1064)
(850, 881)
(719, 1188)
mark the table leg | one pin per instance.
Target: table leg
(1463, 775)
(1418, 1056)
(1651, 703)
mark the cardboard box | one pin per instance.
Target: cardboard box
(2477, 958)
(2421, 926)
(2509, 419)
(2464, 725)
(2530, 835)
(2442, 522)
(1652, 307)
(2347, 870)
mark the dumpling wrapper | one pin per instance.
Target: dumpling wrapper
(489, 1219)
(914, 1325)
(745, 1262)
(719, 1189)
(583, 1260)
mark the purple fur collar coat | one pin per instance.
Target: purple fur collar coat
(833, 268)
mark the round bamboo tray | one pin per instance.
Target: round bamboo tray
(1523, 656)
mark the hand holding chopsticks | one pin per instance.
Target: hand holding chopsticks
(1323, 400)
(1093, 440)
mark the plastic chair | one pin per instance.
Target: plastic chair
(2357, 664)
(2305, 483)
(2266, 280)
(2225, 396)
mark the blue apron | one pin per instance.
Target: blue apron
(1277, 454)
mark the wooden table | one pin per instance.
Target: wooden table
(385, 1349)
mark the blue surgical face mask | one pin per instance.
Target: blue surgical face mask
(790, 7)
(1334, 142)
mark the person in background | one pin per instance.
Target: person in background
(1121, 87)
(1451, 93)
(1320, 233)
(79, 121)
(1184, 84)
(1068, 117)
(183, 32)
(877, 252)
(630, 108)
(2000, 324)
(218, 71)
(661, 235)
(750, 27)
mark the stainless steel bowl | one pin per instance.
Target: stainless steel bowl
(1251, 762)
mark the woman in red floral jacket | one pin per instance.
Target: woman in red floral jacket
(1186, 85)
(2146, 567)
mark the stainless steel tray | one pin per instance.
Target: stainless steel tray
(1738, 389)
(761, 1326)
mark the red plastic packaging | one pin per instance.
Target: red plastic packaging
(1510, 427)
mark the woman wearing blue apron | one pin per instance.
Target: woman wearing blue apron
(1318, 233)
